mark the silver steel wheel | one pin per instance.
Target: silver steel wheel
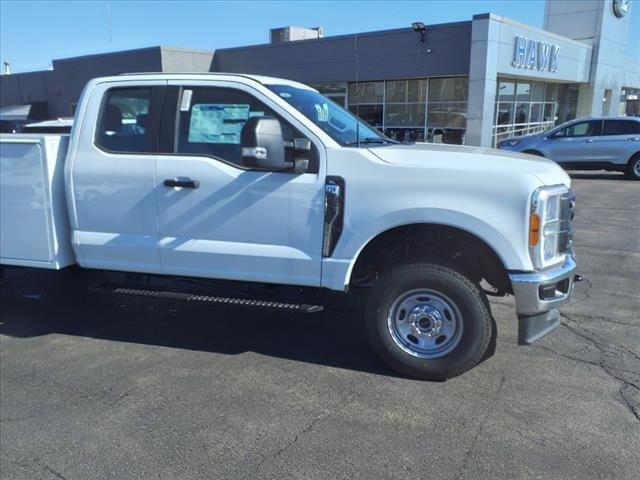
(425, 324)
(636, 169)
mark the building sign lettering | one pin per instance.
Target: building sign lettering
(535, 55)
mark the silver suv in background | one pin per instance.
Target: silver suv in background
(608, 143)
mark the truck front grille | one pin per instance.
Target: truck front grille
(567, 212)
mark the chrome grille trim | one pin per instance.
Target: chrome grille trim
(567, 213)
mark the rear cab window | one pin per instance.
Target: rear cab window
(124, 119)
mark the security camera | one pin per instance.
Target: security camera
(420, 28)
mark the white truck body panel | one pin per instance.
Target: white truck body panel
(267, 226)
(33, 220)
(114, 215)
(399, 185)
(262, 180)
(241, 225)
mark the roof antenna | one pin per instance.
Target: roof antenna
(109, 21)
(355, 45)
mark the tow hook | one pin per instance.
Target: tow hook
(577, 278)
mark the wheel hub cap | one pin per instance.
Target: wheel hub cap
(426, 319)
(425, 323)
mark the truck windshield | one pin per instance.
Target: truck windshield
(341, 125)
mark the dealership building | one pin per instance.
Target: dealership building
(471, 82)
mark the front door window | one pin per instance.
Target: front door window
(581, 129)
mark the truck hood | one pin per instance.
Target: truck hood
(470, 159)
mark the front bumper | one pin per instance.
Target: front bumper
(538, 297)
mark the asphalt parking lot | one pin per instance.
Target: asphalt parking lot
(135, 388)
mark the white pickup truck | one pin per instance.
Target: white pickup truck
(261, 180)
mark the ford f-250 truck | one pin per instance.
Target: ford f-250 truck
(262, 180)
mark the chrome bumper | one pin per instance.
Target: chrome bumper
(538, 297)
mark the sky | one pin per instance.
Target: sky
(32, 33)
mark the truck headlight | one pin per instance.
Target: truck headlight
(549, 226)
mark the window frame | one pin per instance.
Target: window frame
(557, 134)
(633, 122)
(169, 128)
(152, 130)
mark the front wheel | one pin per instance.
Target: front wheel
(633, 169)
(428, 321)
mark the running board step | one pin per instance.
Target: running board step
(195, 297)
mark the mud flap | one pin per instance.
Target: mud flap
(534, 327)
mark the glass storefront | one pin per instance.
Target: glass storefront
(435, 109)
(447, 110)
(412, 110)
(416, 110)
(336, 91)
(523, 107)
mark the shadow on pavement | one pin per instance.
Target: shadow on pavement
(41, 302)
(599, 175)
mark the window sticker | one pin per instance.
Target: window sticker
(186, 100)
(217, 123)
(322, 112)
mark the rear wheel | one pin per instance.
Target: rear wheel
(428, 321)
(633, 168)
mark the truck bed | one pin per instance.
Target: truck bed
(34, 223)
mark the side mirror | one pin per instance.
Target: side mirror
(262, 144)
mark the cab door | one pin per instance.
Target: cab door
(619, 140)
(111, 177)
(574, 143)
(220, 219)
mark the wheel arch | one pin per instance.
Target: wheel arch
(441, 236)
(533, 151)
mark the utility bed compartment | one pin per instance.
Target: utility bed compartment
(34, 224)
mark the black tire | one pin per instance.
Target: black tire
(477, 322)
(633, 167)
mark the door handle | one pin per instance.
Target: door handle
(588, 140)
(635, 139)
(186, 183)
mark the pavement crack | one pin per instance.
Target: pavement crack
(576, 319)
(50, 470)
(626, 392)
(589, 287)
(118, 400)
(308, 427)
(630, 389)
(597, 341)
(476, 437)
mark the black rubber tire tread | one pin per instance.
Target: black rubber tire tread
(631, 165)
(469, 352)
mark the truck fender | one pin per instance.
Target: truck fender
(336, 270)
